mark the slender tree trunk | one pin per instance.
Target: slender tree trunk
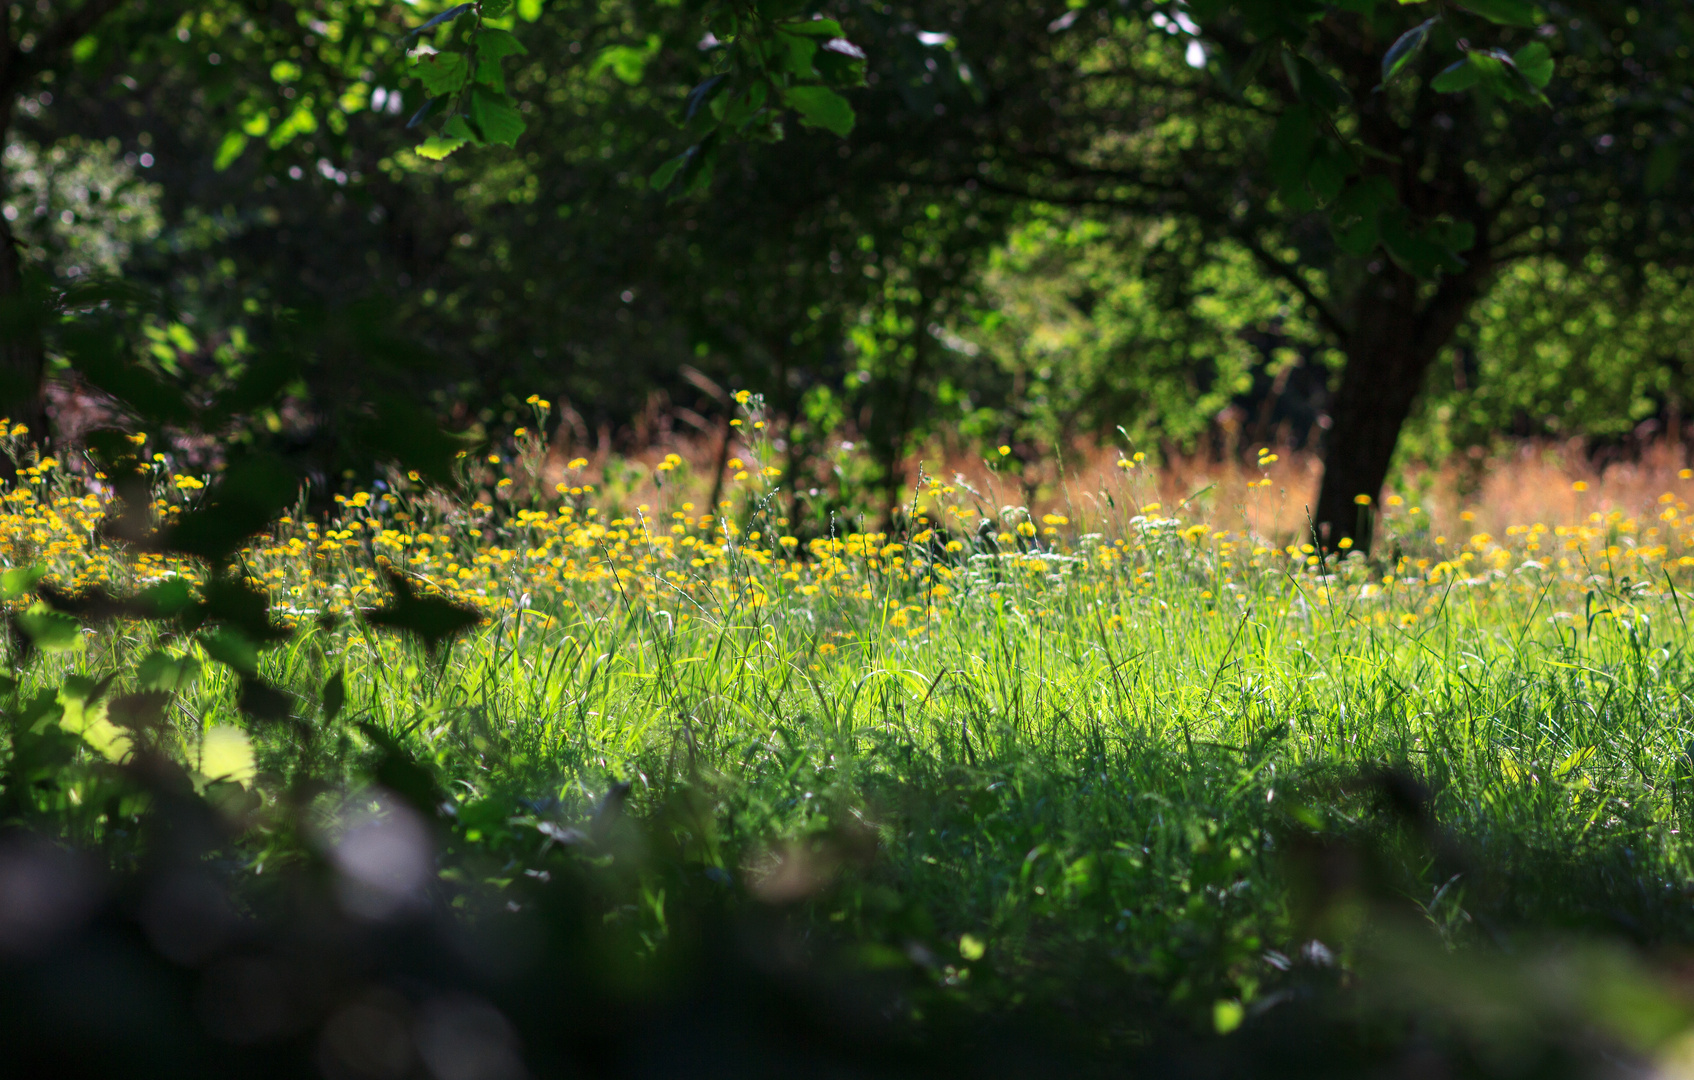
(22, 356)
(21, 353)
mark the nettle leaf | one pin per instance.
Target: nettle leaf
(226, 753)
(49, 630)
(230, 647)
(443, 73)
(431, 619)
(1504, 12)
(1405, 49)
(410, 437)
(251, 493)
(163, 672)
(20, 580)
(819, 106)
(499, 119)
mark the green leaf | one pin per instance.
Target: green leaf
(1457, 77)
(50, 631)
(226, 753)
(824, 28)
(792, 53)
(1405, 49)
(1504, 12)
(628, 62)
(411, 438)
(494, 9)
(443, 73)
(251, 493)
(85, 715)
(164, 672)
(335, 695)
(1535, 60)
(499, 44)
(1314, 85)
(437, 147)
(429, 618)
(664, 174)
(499, 119)
(19, 580)
(230, 647)
(819, 106)
(1291, 152)
(229, 150)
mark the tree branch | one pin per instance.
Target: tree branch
(1291, 274)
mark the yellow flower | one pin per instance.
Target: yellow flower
(1346, 542)
(1026, 528)
(1686, 474)
(742, 397)
(1395, 500)
(138, 438)
(188, 483)
(577, 463)
(1055, 519)
(1005, 451)
(1361, 500)
(1580, 485)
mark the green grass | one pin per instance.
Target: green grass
(1064, 782)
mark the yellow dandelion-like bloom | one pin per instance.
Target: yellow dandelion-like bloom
(742, 397)
(577, 463)
(188, 483)
(1345, 543)
(1026, 528)
(1005, 451)
(1361, 500)
(1580, 485)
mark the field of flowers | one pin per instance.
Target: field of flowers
(1111, 732)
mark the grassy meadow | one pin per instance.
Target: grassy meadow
(1123, 761)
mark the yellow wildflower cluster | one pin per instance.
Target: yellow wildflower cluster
(948, 554)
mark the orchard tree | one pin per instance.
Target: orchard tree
(1385, 160)
(270, 75)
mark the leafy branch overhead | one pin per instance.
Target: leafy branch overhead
(468, 100)
(769, 60)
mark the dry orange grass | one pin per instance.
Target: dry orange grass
(1550, 483)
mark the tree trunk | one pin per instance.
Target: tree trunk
(1394, 340)
(21, 353)
(1376, 395)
